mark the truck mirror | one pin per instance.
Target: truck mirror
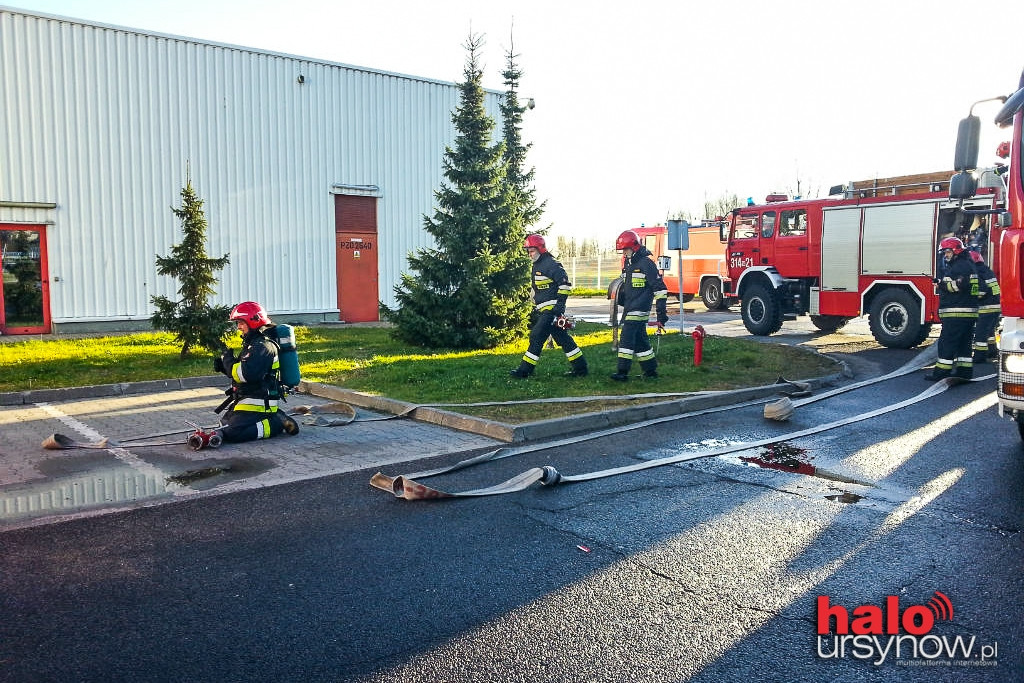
(1012, 105)
(1005, 220)
(963, 185)
(966, 157)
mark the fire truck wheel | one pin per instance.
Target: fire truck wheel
(926, 329)
(829, 323)
(762, 314)
(895, 319)
(711, 294)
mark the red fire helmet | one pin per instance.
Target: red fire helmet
(953, 243)
(536, 241)
(251, 313)
(627, 240)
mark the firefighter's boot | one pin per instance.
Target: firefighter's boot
(577, 367)
(964, 373)
(936, 374)
(981, 357)
(523, 371)
(622, 371)
(291, 427)
(650, 368)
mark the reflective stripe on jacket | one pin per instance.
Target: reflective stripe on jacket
(958, 290)
(641, 287)
(254, 375)
(550, 283)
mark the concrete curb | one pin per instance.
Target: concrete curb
(545, 429)
(444, 418)
(14, 398)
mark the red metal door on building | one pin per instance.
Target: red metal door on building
(355, 232)
(25, 285)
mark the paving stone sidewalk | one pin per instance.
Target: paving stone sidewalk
(39, 485)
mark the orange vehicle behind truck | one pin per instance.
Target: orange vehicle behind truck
(705, 271)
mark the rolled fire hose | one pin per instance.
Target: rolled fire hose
(408, 488)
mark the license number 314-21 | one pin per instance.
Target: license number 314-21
(735, 262)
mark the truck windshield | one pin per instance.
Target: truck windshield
(746, 226)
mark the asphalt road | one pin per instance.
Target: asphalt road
(711, 570)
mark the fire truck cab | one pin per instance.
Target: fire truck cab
(868, 252)
(1007, 238)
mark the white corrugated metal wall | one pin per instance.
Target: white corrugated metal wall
(103, 120)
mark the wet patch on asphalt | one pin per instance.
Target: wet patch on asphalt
(97, 480)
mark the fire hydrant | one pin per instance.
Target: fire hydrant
(698, 335)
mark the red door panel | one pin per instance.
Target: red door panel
(356, 250)
(357, 277)
(25, 285)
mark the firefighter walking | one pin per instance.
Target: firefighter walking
(641, 286)
(988, 311)
(551, 288)
(958, 311)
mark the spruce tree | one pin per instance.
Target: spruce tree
(522, 210)
(517, 176)
(192, 319)
(467, 290)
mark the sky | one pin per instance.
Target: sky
(646, 109)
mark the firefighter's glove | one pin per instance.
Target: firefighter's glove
(563, 322)
(660, 328)
(226, 361)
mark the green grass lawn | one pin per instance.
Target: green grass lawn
(369, 360)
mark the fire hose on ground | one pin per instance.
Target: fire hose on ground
(408, 486)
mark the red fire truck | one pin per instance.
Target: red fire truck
(870, 251)
(1007, 238)
(704, 269)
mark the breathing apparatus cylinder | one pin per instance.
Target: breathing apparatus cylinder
(288, 357)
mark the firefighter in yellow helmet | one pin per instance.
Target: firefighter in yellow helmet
(252, 403)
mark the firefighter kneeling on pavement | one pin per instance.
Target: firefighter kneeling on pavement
(551, 288)
(958, 311)
(252, 401)
(641, 286)
(988, 311)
